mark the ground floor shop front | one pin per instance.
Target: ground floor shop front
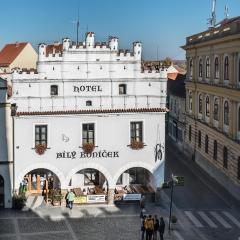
(90, 185)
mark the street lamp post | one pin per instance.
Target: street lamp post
(170, 212)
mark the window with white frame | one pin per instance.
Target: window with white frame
(88, 133)
(41, 135)
(136, 131)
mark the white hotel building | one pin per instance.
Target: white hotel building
(89, 94)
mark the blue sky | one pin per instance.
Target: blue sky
(158, 24)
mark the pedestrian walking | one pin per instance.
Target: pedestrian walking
(70, 198)
(143, 230)
(149, 227)
(66, 199)
(156, 227)
(161, 228)
(142, 202)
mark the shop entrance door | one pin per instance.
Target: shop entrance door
(1, 192)
(37, 183)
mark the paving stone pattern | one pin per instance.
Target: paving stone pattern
(6, 226)
(40, 225)
(121, 228)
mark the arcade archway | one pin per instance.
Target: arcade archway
(134, 183)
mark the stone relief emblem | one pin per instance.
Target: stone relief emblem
(65, 138)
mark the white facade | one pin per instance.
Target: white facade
(96, 83)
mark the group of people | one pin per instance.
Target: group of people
(151, 227)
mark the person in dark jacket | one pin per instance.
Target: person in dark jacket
(161, 228)
(143, 230)
(156, 227)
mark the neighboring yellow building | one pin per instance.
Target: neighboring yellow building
(213, 102)
(16, 55)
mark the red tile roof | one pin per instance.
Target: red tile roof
(96, 111)
(9, 53)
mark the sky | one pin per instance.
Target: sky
(161, 25)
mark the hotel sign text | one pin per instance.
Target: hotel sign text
(87, 88)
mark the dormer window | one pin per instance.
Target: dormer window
(122, 89)
(54, 90)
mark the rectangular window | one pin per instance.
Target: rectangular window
(91, 177)
(122, 89)
(54, 90)
(41, 135)
(88, 133)
(137, 131)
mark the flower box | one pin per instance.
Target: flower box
(88, 147)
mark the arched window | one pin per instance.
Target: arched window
(190, 101)
(226, 113)
(216, 111)
(54, 90)
(190, 133)
(215, 150)
(88, 103)
(191, 67)
(199, 139)
(225, 157)
(216, 68)
(226, 68)
(122, 89)
(206, 144)
(208, 68)
(200, 68)
(200, 103)
(207, 110)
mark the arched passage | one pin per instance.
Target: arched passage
(1, 192)
(100, 168)
(134, 182)
(46, 166)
